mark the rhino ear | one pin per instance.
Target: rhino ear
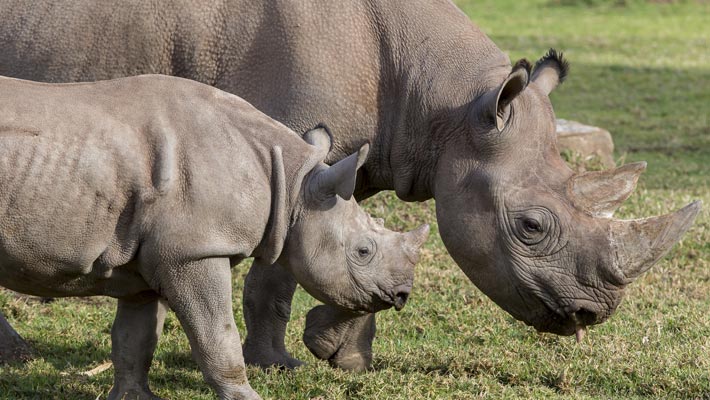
(339, 178)
(496, 104)
(550, 71)
(321, 138)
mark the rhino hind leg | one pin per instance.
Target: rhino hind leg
(200, 293)
(134, 335)
(268, 291)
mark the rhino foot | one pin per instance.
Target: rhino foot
(268, 357)
(118, 393)
(341, 337)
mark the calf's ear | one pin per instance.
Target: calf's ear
(339, 178)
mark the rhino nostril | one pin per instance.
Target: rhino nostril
(585, 317)
(400, 299)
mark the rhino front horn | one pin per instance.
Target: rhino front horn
(638, 244)
(413, 240)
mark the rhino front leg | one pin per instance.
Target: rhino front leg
(200, 293)
(134, 335)
(341, 337)
(268, 291)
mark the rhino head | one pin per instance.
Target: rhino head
(336, 251)
(535, 237)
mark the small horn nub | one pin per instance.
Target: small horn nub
(414, 240)
(417, 237)
(638, 244)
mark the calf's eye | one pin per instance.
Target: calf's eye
(531, 225)
(362, 251)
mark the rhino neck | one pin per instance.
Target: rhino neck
(436, 63)
(286, 181)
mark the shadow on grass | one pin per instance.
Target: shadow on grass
(171, 370)
(447, 367)
(82, 355)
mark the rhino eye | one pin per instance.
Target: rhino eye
(362, 252)
(531, 226)
(535, 230)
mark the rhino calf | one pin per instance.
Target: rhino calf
(149, 189)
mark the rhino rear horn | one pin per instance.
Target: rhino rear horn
(600, 193)
(339, 179)
(638, 244)
(550, 71)
(496, 103)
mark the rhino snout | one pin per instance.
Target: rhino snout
(400, 300)
(398, 296)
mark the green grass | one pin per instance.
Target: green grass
(640, 70)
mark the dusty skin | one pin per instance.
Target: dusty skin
(149, 189)
(447, 115)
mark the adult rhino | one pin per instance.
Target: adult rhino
(446, 114)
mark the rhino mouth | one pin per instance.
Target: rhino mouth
(386, 299)
(567, 321)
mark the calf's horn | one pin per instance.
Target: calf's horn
(413, 240)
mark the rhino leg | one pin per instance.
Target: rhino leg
(341, 337)
(200, 293)
(13, 347)
(134, 335)
(268, 291)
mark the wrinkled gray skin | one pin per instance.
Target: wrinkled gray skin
(149, 189)
(447, 117)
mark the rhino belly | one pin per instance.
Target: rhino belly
(66, 220)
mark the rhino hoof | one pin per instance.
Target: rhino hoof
(132, 394)
(356, 362)
(271, 359)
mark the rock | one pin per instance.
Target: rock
(588, 142)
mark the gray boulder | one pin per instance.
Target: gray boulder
(589, 143)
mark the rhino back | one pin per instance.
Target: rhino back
(382, 71)
(91, 172)
(296, 61)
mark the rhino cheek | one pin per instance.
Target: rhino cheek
(527, 290)
(471, 242)
(318, 266)
(566, 293)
